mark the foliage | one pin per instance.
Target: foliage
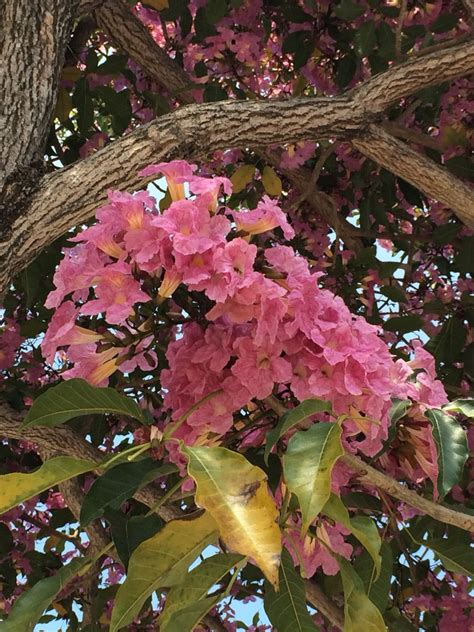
(221, 340)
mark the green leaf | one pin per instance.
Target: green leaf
(451, 443)
(359, 612)
(115, 486)
(128, 533)
(346, 69)
(186, 601)
(216, 10)
(378, 590)
(366, 38)
(457, 558)
(461, 166)
(75, 398)
(398, 409)
(30, 605)
(82, 101)
(394, 293)
(448, 343)
(286, 608)
(348, 10)
(161, 561)
(17, 487)
(403, 324)
(362, 527)
(118, 106)
(308, 465)
(444, 22)
(292, 418)
(464, 406)
(464, 260)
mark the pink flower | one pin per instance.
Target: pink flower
(176, 172)
(117, 291)
(267, 216)
(260, 368)
(191, 228)
(10, 340)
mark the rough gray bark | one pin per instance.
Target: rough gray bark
(71, 195)
(33, 43)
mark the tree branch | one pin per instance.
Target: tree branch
(371, 476)
(71, 195)
(323, 604)
(63, 440)
(434, 181)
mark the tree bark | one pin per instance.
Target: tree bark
(434, 181)
(33, 44)
(71, 195)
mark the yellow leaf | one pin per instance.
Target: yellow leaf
(159, 5)
(63, 105)
(17, 487)
(70, 73)
(161, 561)
(241, 177)
(235, 493)
(165, 201)
(299, 86)
(271, 182)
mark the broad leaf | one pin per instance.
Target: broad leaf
(115, 486)
(292, 418)
(377, 590)
(451, 442)
(398, 409)
(161, 561)
(362, 527)
(187, 600)
(359, 612)
(242, 177)
(75, 398)
(235, 492)
(457, 558)
(286, 608)
(308, 465)
(271, 182)
(464, 406)
(129, 532)
(17, 487)
(31, 604)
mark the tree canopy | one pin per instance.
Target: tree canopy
(236, 310)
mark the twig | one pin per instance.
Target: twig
(398, 33)
(323, 604)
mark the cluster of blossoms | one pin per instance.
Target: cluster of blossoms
(257, 323)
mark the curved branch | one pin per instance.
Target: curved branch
(71, 195)
(434, 181)
(323, 604)
(64, 440)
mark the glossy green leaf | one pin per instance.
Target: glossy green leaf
(115, 486)
(403, 324)
(464, 406)
(187, 600)
(129, 532)
(286, 608)
(449, 342)
(451, 443)
(457, 558)
(398, 409)
(292, 418)
(161, 561)
(308, 464)
(377, 590)
(75, 398)
(359, 612)
(31, 604)
(17, 487)
(362, 527)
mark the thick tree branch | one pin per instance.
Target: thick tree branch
(33, 44)
(70, 196)
(434, 181)
(63, 440)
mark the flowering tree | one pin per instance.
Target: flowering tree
(235, 345)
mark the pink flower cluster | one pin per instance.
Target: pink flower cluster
(10, 340)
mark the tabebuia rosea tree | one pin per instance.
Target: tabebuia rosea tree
(236, 345)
